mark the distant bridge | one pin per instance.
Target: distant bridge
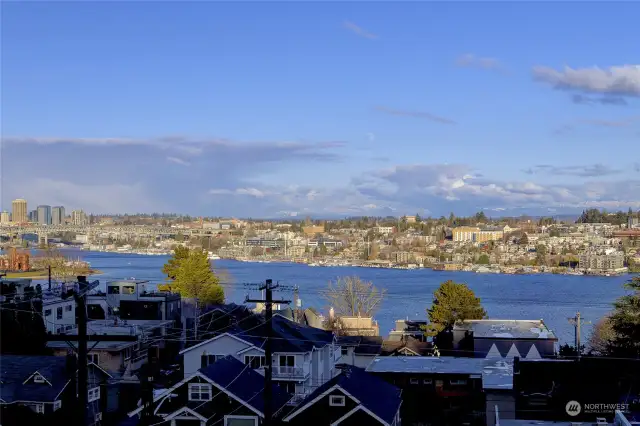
(128, 231)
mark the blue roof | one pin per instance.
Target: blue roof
(381, 398)
(244, 383)
(15, 369)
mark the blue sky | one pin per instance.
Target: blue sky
(275, 108)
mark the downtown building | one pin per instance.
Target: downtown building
(57, 215)
(19, 210)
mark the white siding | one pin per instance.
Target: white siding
(52, 322)
(224, 345)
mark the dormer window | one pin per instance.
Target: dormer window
(37, 378)
(336, 401)
(199, 392)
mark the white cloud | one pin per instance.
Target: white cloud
(180, 161)
(621, 80)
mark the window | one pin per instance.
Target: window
(38, 379)
(240, 420)
(427, 381)
(113, 289)
(458, 382)
(256, 361)
(93, 358)
(38, 408)
(94, 394)
(47, 312)
(336, 401)
(288, 387)
(68, 308)
(414, 381)
(199, 392)
(128, 289)
(287, 360)
(206, 359)
(59, 313)
(57, 405)
(344, 351)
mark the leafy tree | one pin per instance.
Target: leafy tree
(351, 297)
(453, 302)
(483, 260)
(524, 240)
(625, 322)
(569, 350)
(190, 274)
(601, 337)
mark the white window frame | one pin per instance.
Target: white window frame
(199, 391)
(427, 381)
(39, 408)
(94, 358)
(232, 417)
(37, 378)
(57, 405)
(460, 382)
(248, 359)
(414, 381)
(337, 400)
(93, 394)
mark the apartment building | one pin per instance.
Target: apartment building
(476, 234)
(609, 262)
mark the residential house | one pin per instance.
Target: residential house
(452, 388)
(407, 327)
(407, 346)
(303, 357)
(359, 351)
(353, 397)
(491, 338)
(358, 326)
(41, 384)
(58, 314)
(224, 393)
(123, 356)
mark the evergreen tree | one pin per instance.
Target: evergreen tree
(625, 322)
(453, 302)
(190, 274)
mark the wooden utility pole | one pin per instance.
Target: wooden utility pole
(268, 301)
(577, 322)
(49, 270)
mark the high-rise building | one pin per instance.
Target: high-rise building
(44, 215)
(4, 217)
(33, 216)
(78, 218)
(19, 210)
(57, 215)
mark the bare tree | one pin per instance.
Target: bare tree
(350, 296)
(601, 337)
(61, 268)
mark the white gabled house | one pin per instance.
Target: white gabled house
(304, 358)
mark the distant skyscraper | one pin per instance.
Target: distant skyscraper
(4, 217)
(57, 215)
(44, 215)
(19, 210)
(33, 216)
(78, 218)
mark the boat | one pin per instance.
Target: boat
(212, 256)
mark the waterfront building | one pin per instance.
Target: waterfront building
(604, 262)
(4, 217)
(19, 210)
(477, 235)
(57, 215)
(78, 218)
(15, 260)
(44, 215)
(402, 256)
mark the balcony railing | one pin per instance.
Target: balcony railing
(286, 371)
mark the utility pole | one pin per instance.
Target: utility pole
(197, 320)
(49, 269)
(577, 322)
(147, 389)
(82, 339)
(268, 301)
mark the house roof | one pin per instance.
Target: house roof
(374, 394)
(244, 383)
(15, 370)
(508, 329)
(363, 345)
(414, 345)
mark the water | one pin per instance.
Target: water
(552, 298)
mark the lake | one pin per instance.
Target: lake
(552, 298)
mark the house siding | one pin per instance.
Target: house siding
(360, 418)
(321, 413)
(224, 345)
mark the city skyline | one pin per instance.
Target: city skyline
(322, 109)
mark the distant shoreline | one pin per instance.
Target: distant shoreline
(43, 275)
